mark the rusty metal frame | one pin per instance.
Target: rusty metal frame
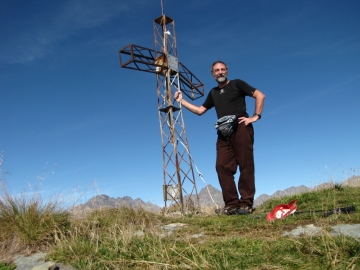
(144, 59)
(171, 76)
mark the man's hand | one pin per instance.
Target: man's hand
(199, 110)
(249, 120)
(178, 96)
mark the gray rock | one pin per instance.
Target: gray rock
(46, 266)
(308, 230)
(37, 262)
(29, 262)
(352, 230)
(173, 226)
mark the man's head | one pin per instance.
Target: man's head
(219, 71)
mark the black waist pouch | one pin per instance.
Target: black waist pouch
(226, 125)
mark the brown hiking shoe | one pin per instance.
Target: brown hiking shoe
(226, 211)
(244, 210)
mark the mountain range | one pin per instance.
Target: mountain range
(208, 196)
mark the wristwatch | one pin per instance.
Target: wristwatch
(258, 115)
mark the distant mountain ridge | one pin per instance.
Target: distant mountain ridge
(208, 196)
(106, 201)
(353, 181)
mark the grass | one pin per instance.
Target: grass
(29, 224)
(5, 266)
(126, 238)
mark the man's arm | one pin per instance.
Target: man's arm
(199, 110)
(259, 102)
(259, 105)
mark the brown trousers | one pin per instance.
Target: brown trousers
(238, 151)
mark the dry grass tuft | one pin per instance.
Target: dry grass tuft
(28, 224)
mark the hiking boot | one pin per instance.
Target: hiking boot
(226, 211)
(244, 210)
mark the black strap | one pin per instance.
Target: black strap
(339, 210)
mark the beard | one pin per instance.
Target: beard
(221, 78)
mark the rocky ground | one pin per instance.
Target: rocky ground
(37, 261)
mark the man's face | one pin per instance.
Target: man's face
(220, 72)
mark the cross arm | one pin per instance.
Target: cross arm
(148, 60)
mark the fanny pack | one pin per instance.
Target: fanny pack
(225, 125)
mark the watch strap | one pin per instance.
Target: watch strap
(258, 115)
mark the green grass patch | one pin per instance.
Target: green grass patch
(127, 238)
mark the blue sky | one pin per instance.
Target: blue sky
(73, 123)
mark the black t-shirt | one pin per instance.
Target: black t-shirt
(229, 100)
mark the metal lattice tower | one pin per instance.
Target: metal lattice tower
(171, 75)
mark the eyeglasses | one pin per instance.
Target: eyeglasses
(219, 69)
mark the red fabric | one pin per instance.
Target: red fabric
(282, 211)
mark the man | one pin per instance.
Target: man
(236, 149)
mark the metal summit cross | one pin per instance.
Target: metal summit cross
(171, 75)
